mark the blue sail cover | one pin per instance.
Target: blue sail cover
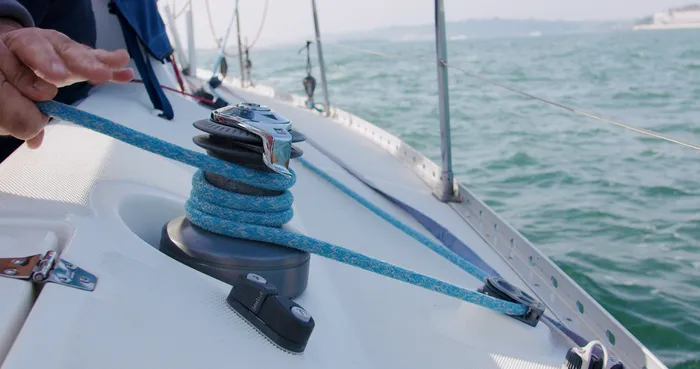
(141, 24)
(145, 20)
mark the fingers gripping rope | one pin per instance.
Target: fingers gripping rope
(257, 218)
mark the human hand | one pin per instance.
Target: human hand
(34, 62)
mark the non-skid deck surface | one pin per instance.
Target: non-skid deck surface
(149, 311)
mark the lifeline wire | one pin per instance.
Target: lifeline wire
(221, 223)
(188, 4)
(257, 34)
(534, 97)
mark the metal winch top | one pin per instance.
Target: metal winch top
(250, 135)
(272, 128)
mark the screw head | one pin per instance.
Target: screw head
(84, 279)
(256, 278)
(301, 314)
(18, 261)
(63, 279)
(10, 271)
(69, 265)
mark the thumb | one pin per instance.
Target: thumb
(36, 141)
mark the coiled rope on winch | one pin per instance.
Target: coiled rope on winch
(240, 216)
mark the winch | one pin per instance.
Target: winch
(237, 223)
(258, 138)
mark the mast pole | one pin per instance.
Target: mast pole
(240, 51)
(445, 190)
(184, 63)
(190, 43)
(322, 65)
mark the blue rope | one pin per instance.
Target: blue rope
(447, 238)
(256, 217)
(440, 249)
(271, 211)
(266, 180)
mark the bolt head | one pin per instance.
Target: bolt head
(256, 278)
(301, 314)
(10, 271)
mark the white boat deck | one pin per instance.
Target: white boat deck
(102, 202)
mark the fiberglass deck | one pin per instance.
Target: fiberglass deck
(105, 201)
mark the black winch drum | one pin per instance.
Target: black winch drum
(226, 258)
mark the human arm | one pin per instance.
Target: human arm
(35, 62)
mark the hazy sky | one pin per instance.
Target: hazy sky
(292, 19)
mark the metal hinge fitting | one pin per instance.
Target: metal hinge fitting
(47, 268)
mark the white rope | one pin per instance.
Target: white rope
(535, 97)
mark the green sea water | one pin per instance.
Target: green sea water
(617, 211)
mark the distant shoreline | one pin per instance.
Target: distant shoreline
(655, 27)
(477, 29)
